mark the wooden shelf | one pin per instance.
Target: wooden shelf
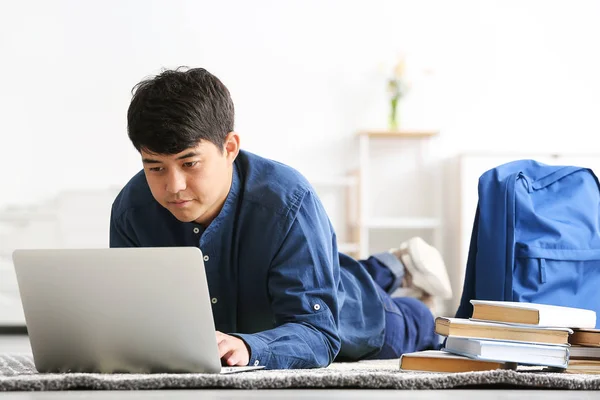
(398, 134)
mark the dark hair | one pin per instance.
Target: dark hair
(177, 109)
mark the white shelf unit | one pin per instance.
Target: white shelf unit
(365, 222)
(357, 222)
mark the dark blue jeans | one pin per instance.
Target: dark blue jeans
(409, 325)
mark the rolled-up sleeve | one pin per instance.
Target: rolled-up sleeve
(302, 282)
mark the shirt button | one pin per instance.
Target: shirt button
(256, 363)
(317, 307)
(214, 300)
(196, 230)
(206, 258)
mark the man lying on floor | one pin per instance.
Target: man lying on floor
(283, 296)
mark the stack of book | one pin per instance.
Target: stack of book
(584, 352)
(503, 335)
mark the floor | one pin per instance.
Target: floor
(308, 394)
(20, 343)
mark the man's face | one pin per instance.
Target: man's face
(193, 184)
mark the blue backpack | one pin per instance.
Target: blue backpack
(536, 237)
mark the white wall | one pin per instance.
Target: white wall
(305, 77)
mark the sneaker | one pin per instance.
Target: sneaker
(425, 267)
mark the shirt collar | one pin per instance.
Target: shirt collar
(228, 206)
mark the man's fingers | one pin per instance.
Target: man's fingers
(232, 350)
(230, 358)
(225, 346)
(229, 354)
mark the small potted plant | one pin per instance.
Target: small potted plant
(397, 88)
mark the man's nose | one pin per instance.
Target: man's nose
(175, 182)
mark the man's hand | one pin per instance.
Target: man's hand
(232, 350)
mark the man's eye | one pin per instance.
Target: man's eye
(190, 164)
(156, 169)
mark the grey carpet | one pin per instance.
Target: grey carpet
(17, 373)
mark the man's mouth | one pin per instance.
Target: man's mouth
(179, 203)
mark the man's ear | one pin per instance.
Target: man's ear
(232, 145)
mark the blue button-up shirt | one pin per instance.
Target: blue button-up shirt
(272, 265)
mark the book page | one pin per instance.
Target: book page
(550, 315)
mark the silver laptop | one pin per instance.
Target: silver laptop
(136, 310)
